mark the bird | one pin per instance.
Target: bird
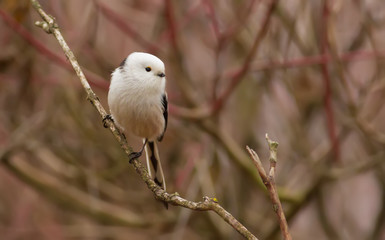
(138, 104)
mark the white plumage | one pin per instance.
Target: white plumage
(138, 104)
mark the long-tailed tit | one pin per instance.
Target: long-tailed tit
(138, 104)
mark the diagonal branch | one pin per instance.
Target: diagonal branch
(125, 28)
(95, 80)
(208, 204)
(238, 76)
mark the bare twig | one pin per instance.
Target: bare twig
(66, 195)
(50, 26)
(359, 55)
(331, 125)
(95, 80)
(203, 111)
(238, 76)
(125, 28)
(56, 190)
(269, 181)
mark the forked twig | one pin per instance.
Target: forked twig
(269, 181)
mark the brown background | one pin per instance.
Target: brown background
(315, 83)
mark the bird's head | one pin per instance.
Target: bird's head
(144, 67)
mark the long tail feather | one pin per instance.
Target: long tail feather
(153, 164)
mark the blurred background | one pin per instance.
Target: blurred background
(308, 73)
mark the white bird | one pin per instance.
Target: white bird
(138, 104)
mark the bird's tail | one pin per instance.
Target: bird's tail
(153, 164)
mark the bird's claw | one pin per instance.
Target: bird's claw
(134, 155)
(107, 117)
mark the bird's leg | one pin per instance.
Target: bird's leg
(134, 155)
(107, 117)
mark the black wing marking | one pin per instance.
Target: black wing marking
(154, 162)
(122, 63)
(165, 115)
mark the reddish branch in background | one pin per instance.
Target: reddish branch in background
(127, 29)
(236, 79)
(314, 60)
(94, 79)
(331, 125)
(234, 75)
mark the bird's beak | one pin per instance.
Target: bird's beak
(161, 74)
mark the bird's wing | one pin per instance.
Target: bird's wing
(165, 114)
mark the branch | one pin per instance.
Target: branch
(95, 80)
(58, 191)
(50, 26)
(238, 76)
(70, 197)
(204, 111)
(330, 119)
(269, 181)
(125, 27)
(306, 61)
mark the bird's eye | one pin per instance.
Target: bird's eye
(148, 69)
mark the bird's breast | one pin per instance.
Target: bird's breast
(139, 112)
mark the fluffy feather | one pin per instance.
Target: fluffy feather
(138, 104)
(135, 96)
